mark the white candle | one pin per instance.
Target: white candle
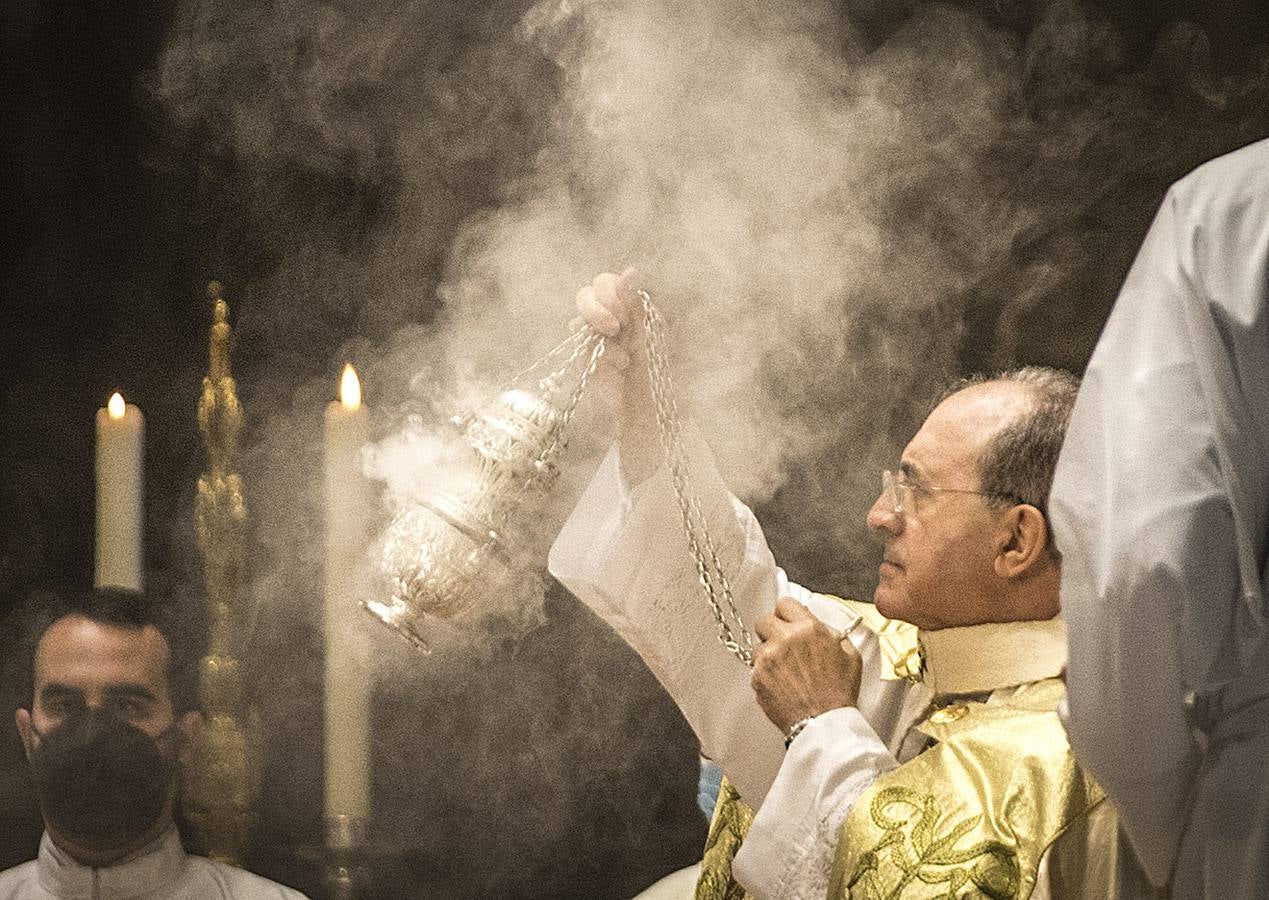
(347, 678)
(120, 493)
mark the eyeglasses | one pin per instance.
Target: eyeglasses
(899, 493)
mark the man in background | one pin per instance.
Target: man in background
(112, 713)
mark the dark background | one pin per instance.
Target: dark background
(553, 766)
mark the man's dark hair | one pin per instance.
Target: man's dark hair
(1017, 464)
(128, 609)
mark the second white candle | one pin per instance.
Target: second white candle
(347, 680)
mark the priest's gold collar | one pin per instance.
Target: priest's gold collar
(979, 658)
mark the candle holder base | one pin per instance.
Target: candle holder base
(343, 882)
(346, 872)
(347, 865)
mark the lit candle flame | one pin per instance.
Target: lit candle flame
(116, 406)
(350, 389)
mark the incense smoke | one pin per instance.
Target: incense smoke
(835, 209)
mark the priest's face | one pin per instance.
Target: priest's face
(940, 550)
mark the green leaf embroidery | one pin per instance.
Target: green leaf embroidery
(910, 822)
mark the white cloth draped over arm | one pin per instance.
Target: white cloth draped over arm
(1159, 501)
(624, 554)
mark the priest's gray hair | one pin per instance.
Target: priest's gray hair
(1018, 462)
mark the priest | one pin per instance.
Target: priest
(914, 746)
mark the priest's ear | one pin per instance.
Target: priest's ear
(1024, 541)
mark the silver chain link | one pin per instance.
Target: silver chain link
(709, 569)
(593, 342)
(732, 632)
(580, 337)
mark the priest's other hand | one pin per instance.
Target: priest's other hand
(802, 667)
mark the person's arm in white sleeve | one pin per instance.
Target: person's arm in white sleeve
(1144, 510)
(624, 553)
(808, 683)
(788, 852)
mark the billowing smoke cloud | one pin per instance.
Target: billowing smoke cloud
(835, 210)
(821, 218)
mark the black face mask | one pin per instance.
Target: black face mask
(103, 783)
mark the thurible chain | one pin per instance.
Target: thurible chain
(709, 569)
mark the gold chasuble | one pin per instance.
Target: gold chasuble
(732, 817)
(974, 813)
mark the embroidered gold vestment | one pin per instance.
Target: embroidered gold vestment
(732, 817)
(970, 816)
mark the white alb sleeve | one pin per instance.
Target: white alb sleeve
(1158, 505)
(624, 554)
(788, 852)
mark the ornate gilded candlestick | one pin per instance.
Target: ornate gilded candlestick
(220, 787)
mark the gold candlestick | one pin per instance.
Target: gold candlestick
(220, 786)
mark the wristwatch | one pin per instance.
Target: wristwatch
(795, 729)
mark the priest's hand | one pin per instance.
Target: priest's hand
(802, 667)
(611, 305)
